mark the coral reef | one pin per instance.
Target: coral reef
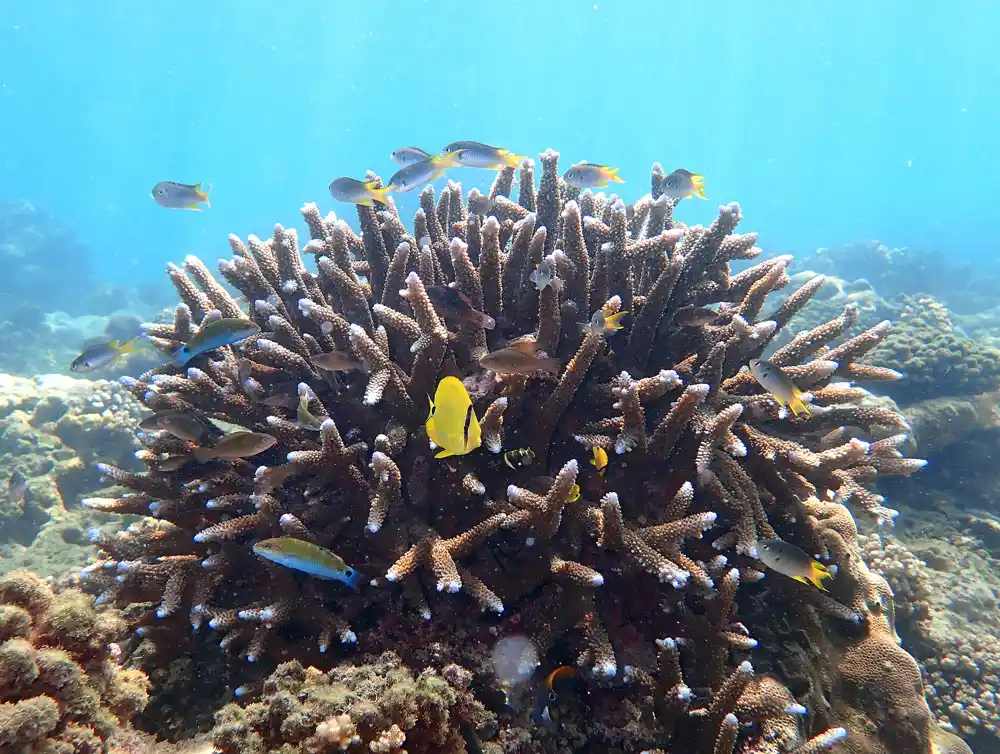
(62, 689)
(53, 430)
(647, 579)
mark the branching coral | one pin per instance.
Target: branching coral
(606, 578)
(61, 687)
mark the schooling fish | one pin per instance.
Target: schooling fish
(17, 487)
(779, 385)
(792, 561)
(559, 681)
(520, 357)
(452, 424)
(408, 155)
(181, 195)
(694, 316)
(309, 558)
(102, 354)
(599, 459)
(362, 193)
(337, 361)
(236, 445)
(420, 173)
(473, 154)
(602, 323)
(544, 276)
(682, 184)
(585, 175)
(452, 304)
(519, 458)
(220, 332)
(184, 425)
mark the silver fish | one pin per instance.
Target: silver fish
(181, 195)
(408, 155)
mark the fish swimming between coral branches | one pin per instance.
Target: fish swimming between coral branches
(221, 332)
(452, 424)
(236, 445)
(599, 459)
(520, 357)
(181, 195)
(683, 184)
(793, 562)
(774, 380)
(309, 558)
(454, 305)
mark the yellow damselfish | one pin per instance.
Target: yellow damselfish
(452, 424)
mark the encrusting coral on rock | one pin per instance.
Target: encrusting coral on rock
(62, 689)
(641, 571)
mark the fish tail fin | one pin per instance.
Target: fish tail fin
(449, 160)
(203, 194)
(613, 176)
(699, 186)
(509, 159)
(818, 574)
(797, 406)
(378, 194)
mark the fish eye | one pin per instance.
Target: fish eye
(552, 696)
(349, 572)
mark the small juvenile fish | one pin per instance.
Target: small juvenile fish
(221, 332)
(682, 184)
(17, 487)
(599, 323)
(236, 445)
(599, 459)
(421, 173)
(473, 154)
(779, 385)
(480, 204)
(408, 155)
(519, 358)
(544, 276)
(309, 558)
(184, 425)
(519, 458)
(305, 416)
(542, 484)
(452, 424)
(181, 195)
(585, 175)
(557, 682)
(793, 562)
(452, 304)
(102, 354)
(362, 193)
(337, 361)
(694, 316)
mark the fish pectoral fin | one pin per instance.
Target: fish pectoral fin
(195, 207)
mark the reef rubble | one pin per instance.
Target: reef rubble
(647, 580)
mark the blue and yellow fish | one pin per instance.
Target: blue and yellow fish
(309, 558)
(452, 424)
(221, 332)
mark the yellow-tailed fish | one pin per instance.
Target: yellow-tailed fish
(545, 276)
(542, 484)
(520, 357)
(102, 354)
(309, 558)
(408, 155)
(682, 184)
(362, 193)
(599, 459)
(421, 173)
(181, 195)
(216, 334)
(793, 562)
(454, 305)
(337, 361)
(779, 385)
(519, 458)
(452, 424)
(184, 425)
(473, 154)
(236, 445)
(603, 323)
(694, 316)
(586, 175)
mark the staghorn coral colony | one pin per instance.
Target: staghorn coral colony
(646, 580)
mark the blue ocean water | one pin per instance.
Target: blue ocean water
(829, 121)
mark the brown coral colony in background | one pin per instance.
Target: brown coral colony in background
(648, 579)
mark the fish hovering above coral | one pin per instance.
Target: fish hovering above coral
(337, 361)
(544, 276)
(236, 445)
(520, 357)
(683, 184)
(603, 323)
(421, 173)
(309, 558)
(454, 305)
(452, 424)
(793, 562)
(361, 193)
(475, 154)
(103, 354)
(184, 425)
(586, 175)
(408, 155)
(181, 195)
(227, 331)
(779, 385)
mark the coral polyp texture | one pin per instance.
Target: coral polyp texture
(642, 574)
(62, 688)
